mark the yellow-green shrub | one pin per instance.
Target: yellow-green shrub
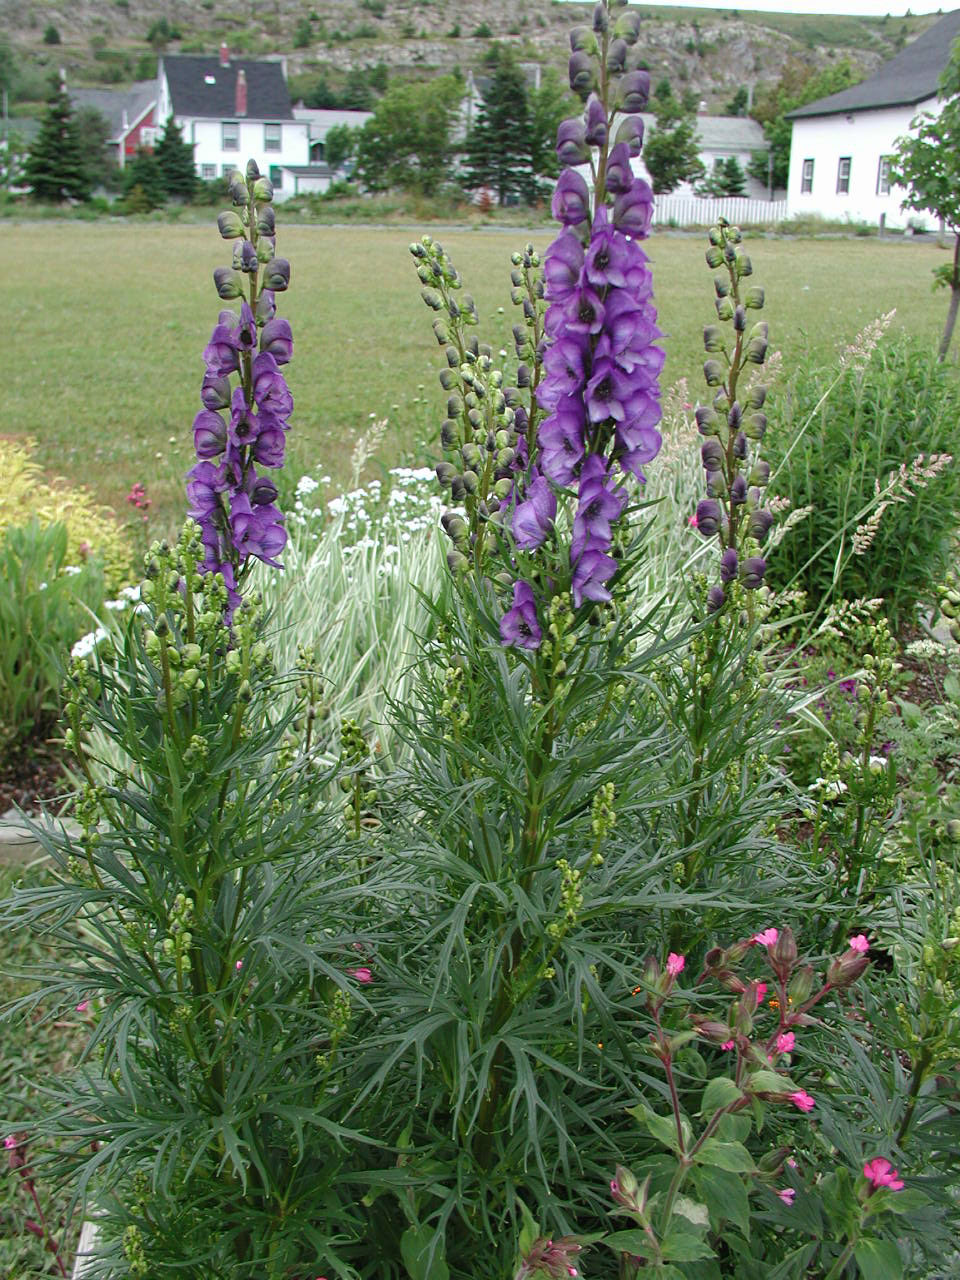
(91, 529)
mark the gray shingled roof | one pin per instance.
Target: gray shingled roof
(267, 95)
(908, 78)
(111, 103)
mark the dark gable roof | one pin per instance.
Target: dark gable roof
(111, 103)
(908, 78)
(267, 95)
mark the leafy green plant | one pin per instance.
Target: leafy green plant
(867, 444)
(45, 606)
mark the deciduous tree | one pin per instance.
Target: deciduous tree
(409, 141)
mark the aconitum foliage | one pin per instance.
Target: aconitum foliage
(599, 395)
(243, 426)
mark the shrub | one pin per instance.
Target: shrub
(867, 445)
(92, 530)
(42, 613)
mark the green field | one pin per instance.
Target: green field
(105, 325)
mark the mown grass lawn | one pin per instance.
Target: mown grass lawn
(105, 325)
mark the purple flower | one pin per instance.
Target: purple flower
(215, 392)
(715, 599)
(205, 483)
(277, 339)
(751, 575)
(270, 444)
(247, 327)
(633, 91)
(560, 440)
(572, 148)
(243, 427)
(709, 517)
(221, 354)
(599, 505)
(596, 122)
(608, 393)
(581, 313)
(270, 391)
(257, 531)
(633, 210)
(565, 365)
(209, 434)
(519, 625)
(533, 518)
(728, 565)
(631, 132)
(592, 569)
(571, 199)
(608, 255)
(619, 176)
(562, 265)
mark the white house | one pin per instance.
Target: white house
(843, 145)
(320, 120)
(232, 109)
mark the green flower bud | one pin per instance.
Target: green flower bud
(724, 308)
(502, 487)
(713, 373)
(713, 338)
(743, 266)
(471, 456)
(471, 481)
(266, 221)
(230, 224)
(229, 283)
(801, 984)
(457, 562)
(753, 297)
(755, 397)
(754, 425)
(263, 191)
(583, 40)
(238, 189)
(276, 274)
(253, 170)
(714, 257)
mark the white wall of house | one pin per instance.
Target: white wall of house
(847, 150)
(273, 144)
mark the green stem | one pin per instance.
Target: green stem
(920, 1069)
(838, 1268)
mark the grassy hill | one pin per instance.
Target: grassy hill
(713, 51)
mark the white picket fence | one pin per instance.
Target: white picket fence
(694, 211)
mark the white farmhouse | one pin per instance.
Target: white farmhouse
(232, 109)
(842, 146)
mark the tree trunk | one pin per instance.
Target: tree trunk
(954, 303)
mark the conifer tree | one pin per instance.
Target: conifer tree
(174, 158)
(498, 145)
(144, 172)
(56, 167)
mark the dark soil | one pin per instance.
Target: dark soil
(33, 778)
(923, 676)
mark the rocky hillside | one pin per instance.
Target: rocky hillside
(710, 50)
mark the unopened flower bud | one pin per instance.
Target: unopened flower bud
(229, 283)
(596, 122)
(756, 351)
(253, 170)
(238, 189)
(844, 970)
(457, 561)
(801, 984)
(276, 274)
(755, 426)
(583, 40)
(716, 599)
(728, 565)
(760, 473)
(616, 56)
(712, 455)
(263, 191)
(708, 420)
(724, 308)
(718, 1032)
(267, 221)
(739, 319)
(713, 338)
(230, 224)
(753, 297)
(601, 19)
(714, 257)
(572, 148)
(633, 91)
(751, 575)
(738, 491)
(630, 131)
(713, 373)
(744, 267)
(759, 523)
(627, 27)
(581, 71)
(454, 526)
(783, 953)
(709, 517)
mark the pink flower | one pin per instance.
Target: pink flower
(10, 1142)
(859, 943)
(787, 1195)
(675, 964)
(238, 966)
(363, 975)
(728, 1044)
(882, 1174)
(761, 990)
(767, 938)
(791, 1162)
(785, 1042)
(692, 521)
(83, 1006)
(802, 1100)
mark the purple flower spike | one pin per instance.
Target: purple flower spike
(257, 531)
(519, 625)
(600, 504)
(533, 519)
(571, 199)
(562, 265)
(596, 126)
(633, 210)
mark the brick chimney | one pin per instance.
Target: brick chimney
(241, 107)
(224, 54)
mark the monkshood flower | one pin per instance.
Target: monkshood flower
(599, 397)
(243, 425)
(732, 424)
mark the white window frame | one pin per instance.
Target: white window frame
(225, 143)
(806, 177)
(883, 175)
(843, 175)
(208, 172)
(273, 142)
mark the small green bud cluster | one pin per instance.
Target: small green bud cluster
(950, 604)
(603, 817)
(560, 640)
(360, 810)
(133, 1251)
(479, 434)
(453, 708)
(528, 337)
(571, 899)
(339, 1015)
(179, 939)
(733, 424)
(308, 693)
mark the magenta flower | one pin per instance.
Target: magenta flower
(675, 964)
(728, 1044)
(766, 939)
(802, 1100)
(786, 1041)
(859, 943)
(363, 975)
(787, 1195)
(881, 1173)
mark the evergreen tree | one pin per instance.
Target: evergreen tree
(94, 134)
(733, 180)
(672, 152)
(499, 153)
(56, 167)
(144, 172)
(175, 160)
